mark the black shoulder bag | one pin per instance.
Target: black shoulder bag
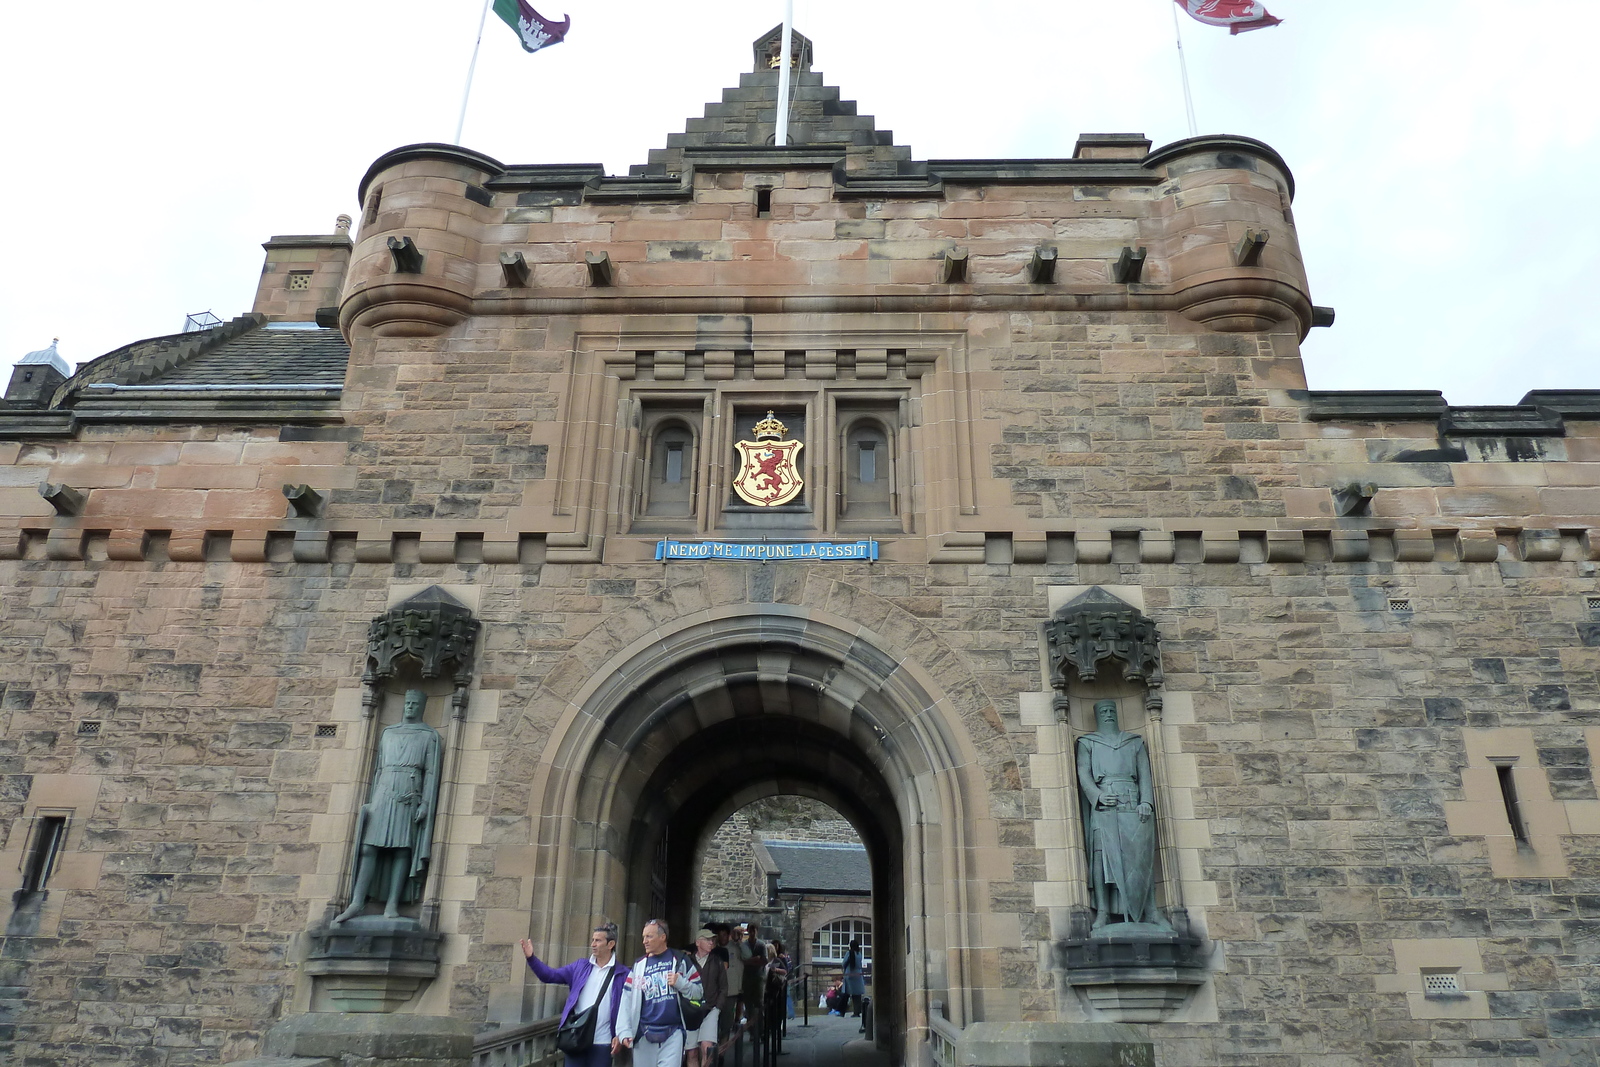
(576, 1035)
(693, 1012)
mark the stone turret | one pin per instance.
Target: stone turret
(36, 376)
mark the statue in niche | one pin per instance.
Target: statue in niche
(1119, 812)
(395, 829)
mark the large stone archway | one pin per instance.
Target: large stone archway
(677, 730)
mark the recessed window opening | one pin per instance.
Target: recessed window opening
(763, 203)
(370, 215)
(670, 472)
(1508, 793)
(39, 862)
(831, 943)
(27, 375)
(868, 490)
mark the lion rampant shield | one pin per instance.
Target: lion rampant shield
(769, 471)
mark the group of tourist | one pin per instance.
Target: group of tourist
(732, 971)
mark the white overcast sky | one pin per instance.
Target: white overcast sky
(1445, 150)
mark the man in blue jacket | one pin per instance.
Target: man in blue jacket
(587, 978)
(651, 1022)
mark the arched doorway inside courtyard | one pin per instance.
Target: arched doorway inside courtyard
(800, 868)
(679, 731)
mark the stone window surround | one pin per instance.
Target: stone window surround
(1482, 810)
(586, 464)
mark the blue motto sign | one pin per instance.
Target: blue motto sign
(765, 550)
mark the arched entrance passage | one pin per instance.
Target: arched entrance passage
(748, 758)
(681, 728)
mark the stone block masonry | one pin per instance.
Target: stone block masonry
(1379, 615)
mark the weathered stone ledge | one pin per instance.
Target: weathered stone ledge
(1080, 546)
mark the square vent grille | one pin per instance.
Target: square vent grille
(1400, 605)
(89, 728)
(1441, 983)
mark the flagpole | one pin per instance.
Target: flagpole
(461, 123)
(781, 136)
(1183, 69)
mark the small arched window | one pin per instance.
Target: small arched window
(830, 943)
(869, 471)
(670, 485)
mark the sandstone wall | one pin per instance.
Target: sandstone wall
(1339, 687)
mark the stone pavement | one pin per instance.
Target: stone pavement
(830, 1041)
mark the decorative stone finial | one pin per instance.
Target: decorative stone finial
(770, 44)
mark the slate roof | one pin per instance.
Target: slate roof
(246, 370)
(267, 356)
(821, 867)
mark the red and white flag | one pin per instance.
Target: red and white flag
(1239, 16)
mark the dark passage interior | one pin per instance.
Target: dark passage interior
(707, 774)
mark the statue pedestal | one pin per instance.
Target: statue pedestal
(370, 964)
(1132, 972)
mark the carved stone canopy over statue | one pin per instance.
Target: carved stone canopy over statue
(434, 632)
(1096, 627)
(1120, 824)
(395, 830)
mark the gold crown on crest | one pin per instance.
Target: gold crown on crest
(770, 428)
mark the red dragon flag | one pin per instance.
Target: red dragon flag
(532, 28)
(1239, 16)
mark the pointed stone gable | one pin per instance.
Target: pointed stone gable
(745, 117)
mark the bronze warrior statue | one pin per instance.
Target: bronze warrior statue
(1119, 811)
(396, 824)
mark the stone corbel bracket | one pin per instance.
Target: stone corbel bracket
(433, 630)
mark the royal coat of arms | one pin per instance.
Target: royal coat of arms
(769, 472)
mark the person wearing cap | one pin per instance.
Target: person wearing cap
(714, 980)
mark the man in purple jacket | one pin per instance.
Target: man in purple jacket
(587, 978)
